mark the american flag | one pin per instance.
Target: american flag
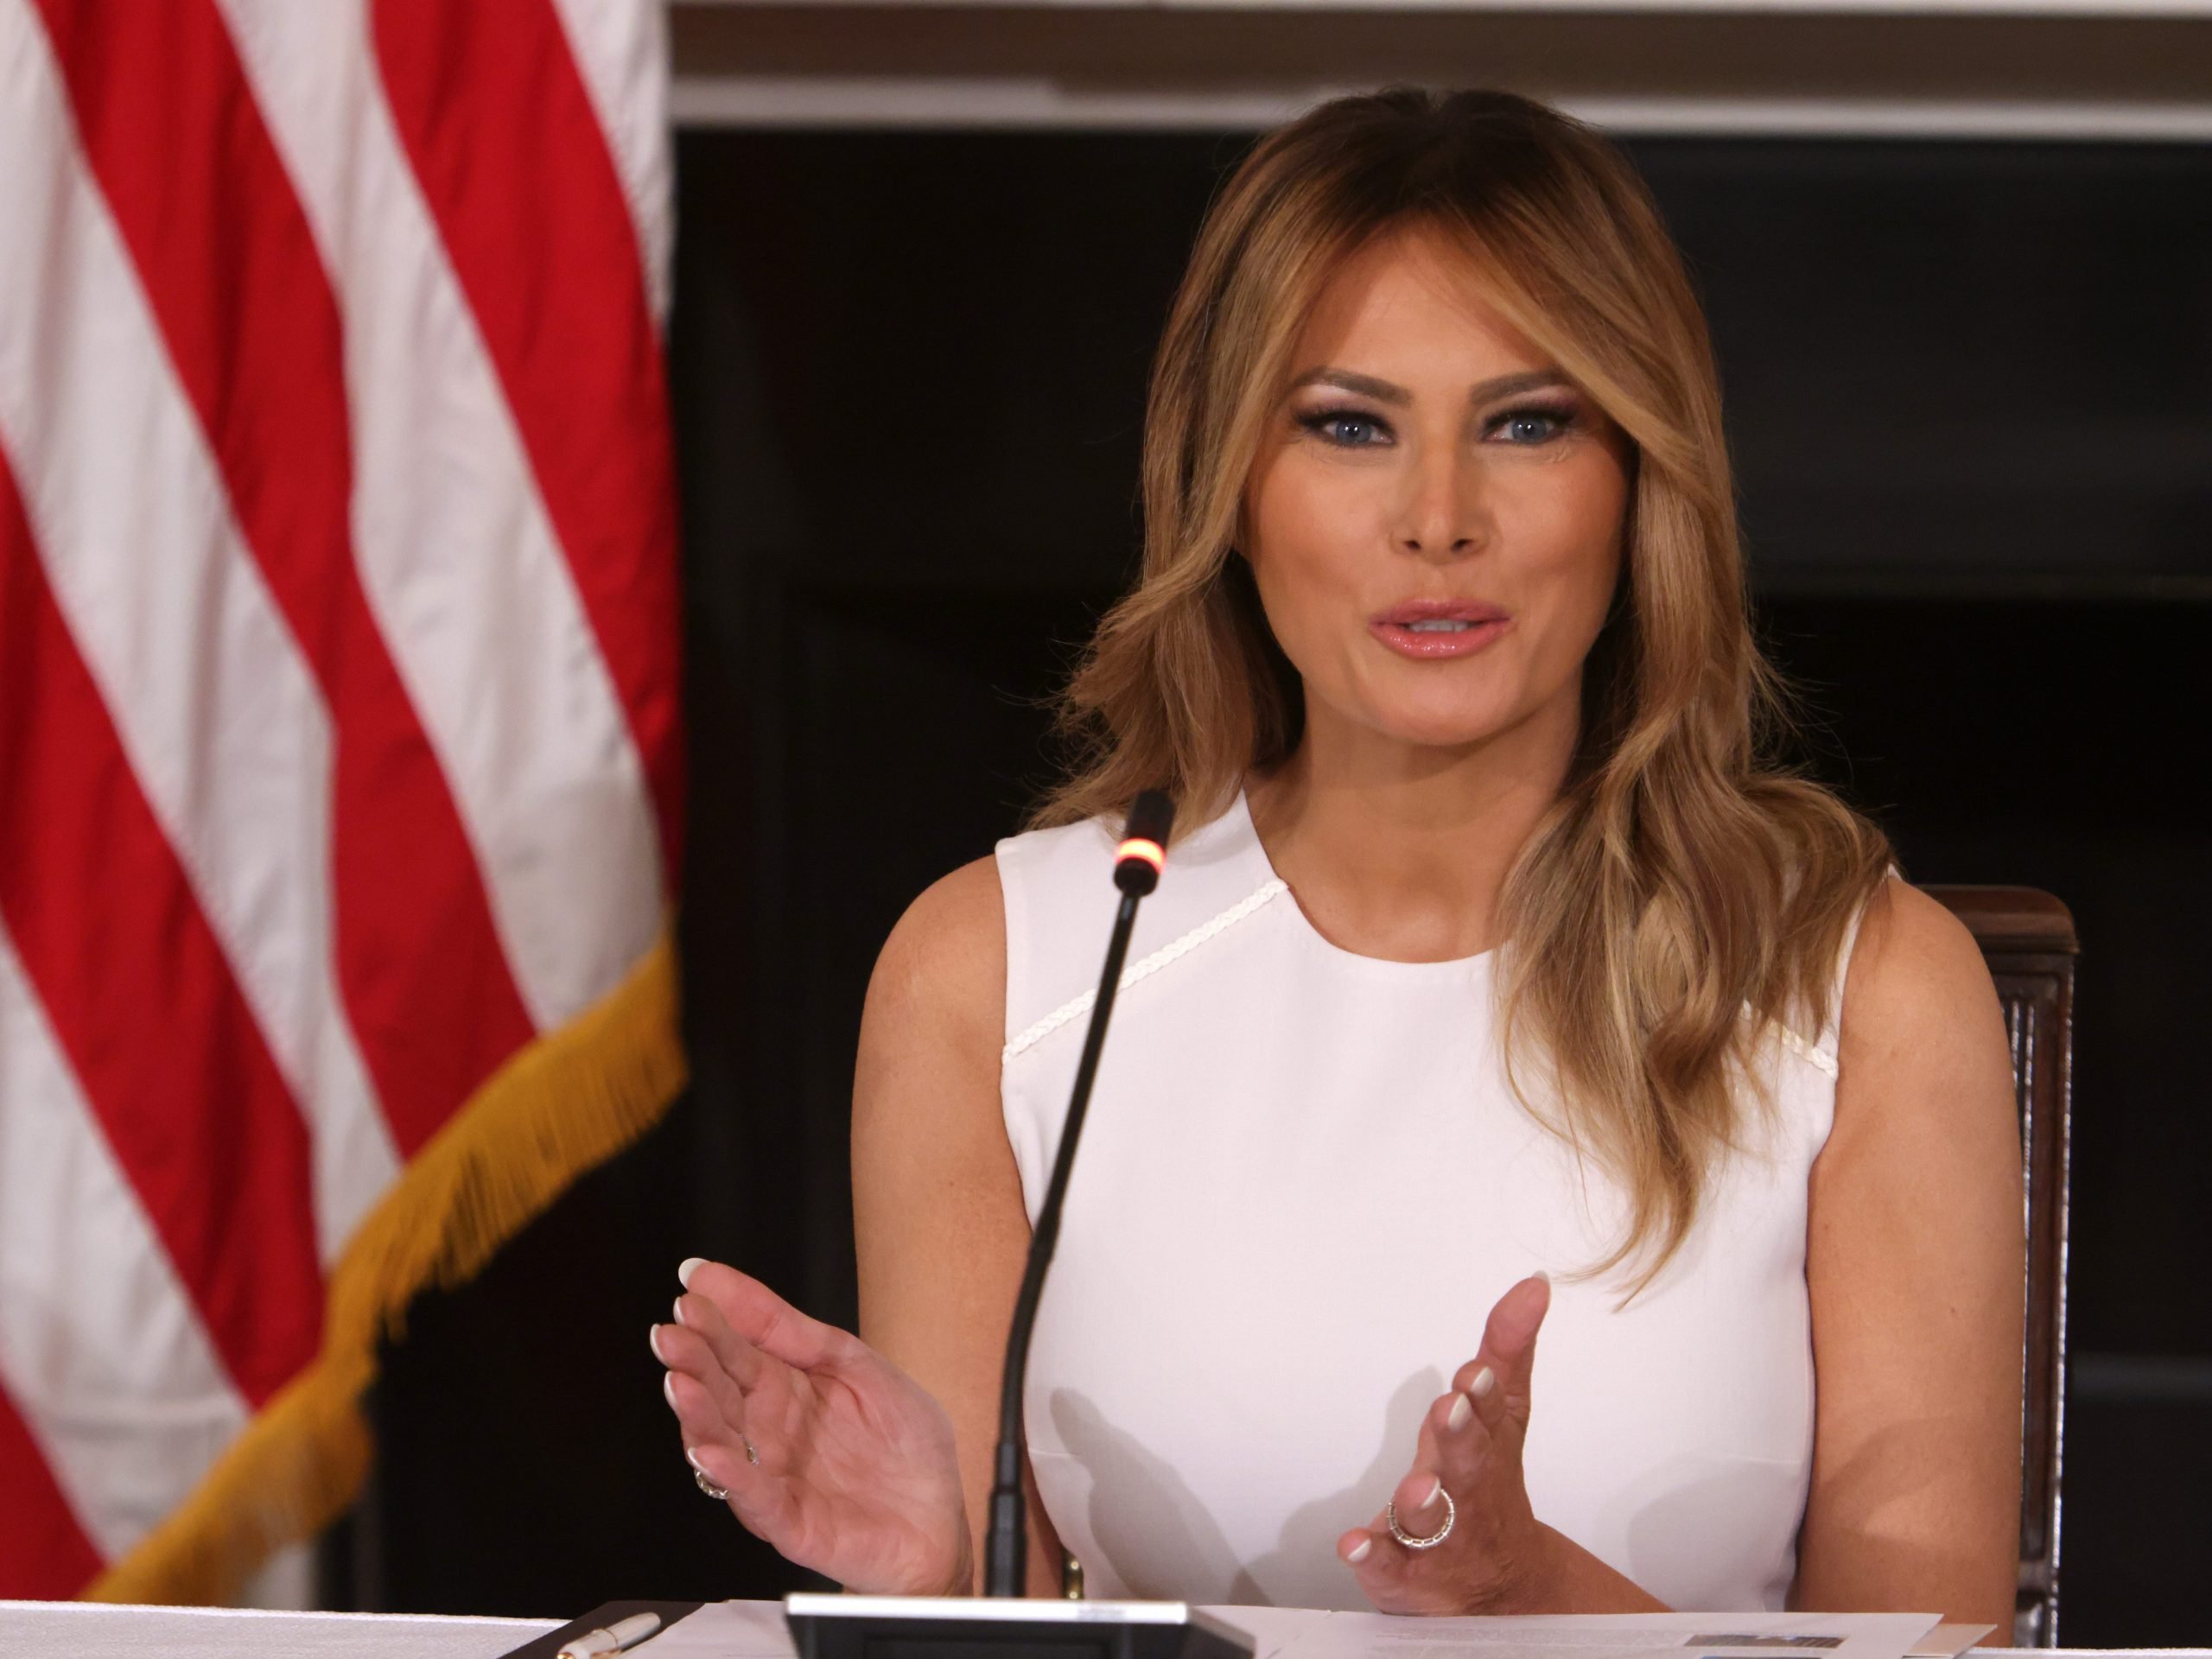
(338, 720)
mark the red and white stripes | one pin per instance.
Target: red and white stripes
(338, 718)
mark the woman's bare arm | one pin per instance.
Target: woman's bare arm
(940, 1227)
(1915, 1262)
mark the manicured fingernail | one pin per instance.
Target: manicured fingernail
(690, 1265)
(1462, 1409)
(668, 1388)
(1360, 1550)
(1482, 1383)
(1542, 1274)
(1434, 1493)
(655, 1339)
(680, 1319)
(692, 1458)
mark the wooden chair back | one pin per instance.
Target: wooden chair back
(2028, 939)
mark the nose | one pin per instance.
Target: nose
(1442, 514)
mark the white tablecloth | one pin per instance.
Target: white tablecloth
(76, 1630)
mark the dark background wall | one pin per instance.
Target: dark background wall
(1970, 389)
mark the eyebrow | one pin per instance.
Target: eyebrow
(1503, 386)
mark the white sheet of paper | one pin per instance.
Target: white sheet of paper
(755, 1630)
(724, 1629)
(1947, 1640)
(1289, 1633)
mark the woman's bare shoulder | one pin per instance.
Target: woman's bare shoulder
(937, 995)
(1917, 970)
(1922, 1033)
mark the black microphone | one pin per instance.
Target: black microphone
(1137, 864)
(993, 1627)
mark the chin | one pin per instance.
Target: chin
(1441, 729)
(1438, 705)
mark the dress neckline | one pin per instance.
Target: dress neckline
(1302, 924)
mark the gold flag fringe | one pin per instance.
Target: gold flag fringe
(568, 1100)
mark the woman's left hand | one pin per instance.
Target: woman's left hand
(1498, 1557)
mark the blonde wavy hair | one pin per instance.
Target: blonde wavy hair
(1686, 893)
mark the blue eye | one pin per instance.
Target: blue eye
(1347, 429)
(1559, 420)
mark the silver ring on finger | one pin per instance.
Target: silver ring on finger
(751, 1456)
(1451, 1514)
(708, 1487)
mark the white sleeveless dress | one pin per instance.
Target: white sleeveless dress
(1302, 1184)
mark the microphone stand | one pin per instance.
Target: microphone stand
(1007, 1555)
(1001, 1625)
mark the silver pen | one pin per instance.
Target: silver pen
(623, 1633)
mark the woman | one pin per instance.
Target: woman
(1498, 985)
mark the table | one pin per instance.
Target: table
(76, 1630)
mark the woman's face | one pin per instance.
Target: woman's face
(1435, 518)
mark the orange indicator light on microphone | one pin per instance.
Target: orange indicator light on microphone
(1142, 853)
(1139, 847)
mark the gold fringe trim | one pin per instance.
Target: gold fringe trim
(570, 1100)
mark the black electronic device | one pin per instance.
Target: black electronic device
(987, 1627)
(998, 1625)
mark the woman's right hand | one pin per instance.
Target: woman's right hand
(857, 1476)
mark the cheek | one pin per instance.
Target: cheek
(1576, 564)
(1310, 576)
(1578, 590)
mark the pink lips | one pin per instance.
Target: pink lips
(1480, 625)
